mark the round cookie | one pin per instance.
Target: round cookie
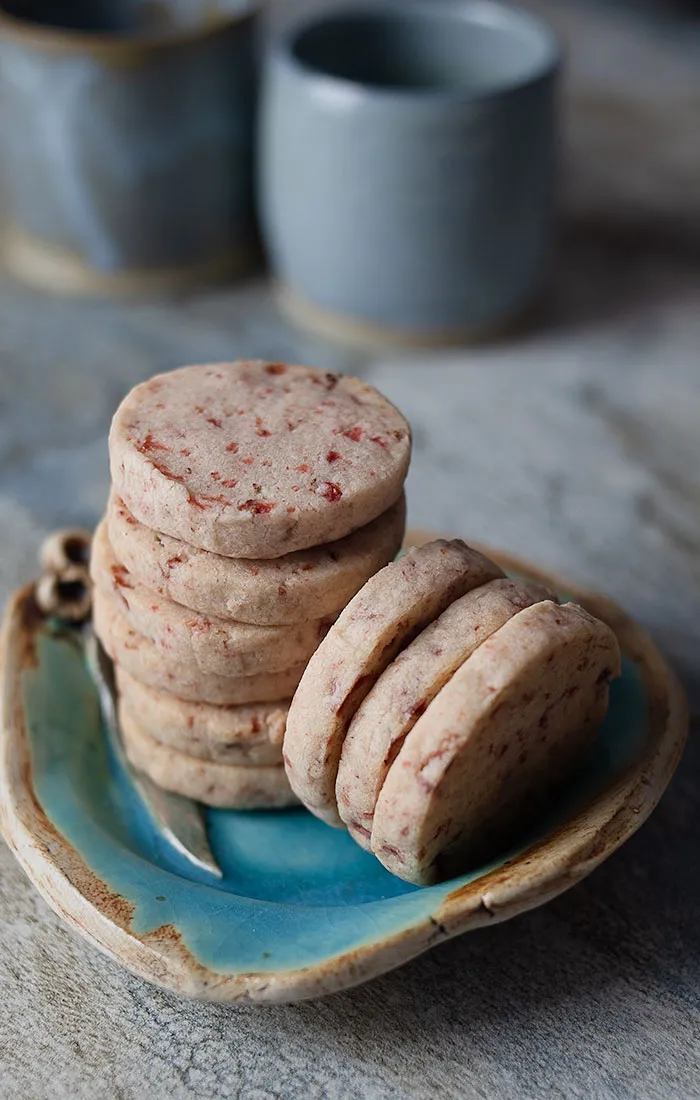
(386, 614)
(308, 584)
(218, 646)
(145, 662)
(255, 459)
(404, 690)
(240, 735)
(512, 723)
(222, 785)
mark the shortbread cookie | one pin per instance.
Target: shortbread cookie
(222, 785)
(513, 722)
(145, 662)
(240, 735)
(389, 611)
(308, 584)
(403, 692)
(256, 460)
(212, 645)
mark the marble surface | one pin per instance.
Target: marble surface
(576, 443)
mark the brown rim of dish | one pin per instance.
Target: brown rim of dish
(106, 44)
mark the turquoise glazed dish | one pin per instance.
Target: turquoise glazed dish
(301, 910)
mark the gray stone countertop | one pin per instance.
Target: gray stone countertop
(577, 444)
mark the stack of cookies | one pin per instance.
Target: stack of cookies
(443, 708)
(250, 502)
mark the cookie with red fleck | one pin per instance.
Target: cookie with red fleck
(387, 613)
(308, 584)
(210, 645)
(241, 735)
(514, 721)
(225, 786)
(145, 662)
(410, 683)
(255, 459)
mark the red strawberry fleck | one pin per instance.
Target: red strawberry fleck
(378, 439)
(303, 469)
(121, 576)
(330, 490)
(215, 475)
(276, 368)
(333, 456)
(231, 483)
(186, 451)
(248, 461)
(263, 432)
(166, 472)
(328, 380)
(257, 507)
(150, 444)
(215, 421)
(355, 433)
(232, 447)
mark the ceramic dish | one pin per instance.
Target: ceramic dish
(301, 910)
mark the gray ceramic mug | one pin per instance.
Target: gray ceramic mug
(126, 142)
(407, 167)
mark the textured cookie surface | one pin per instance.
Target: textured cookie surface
(256, 460)
(392, 607)
(308, 584)
(145, 662)
(221, 785)
(241, 735)
(210, 644)
(403, 692)
(511, 724)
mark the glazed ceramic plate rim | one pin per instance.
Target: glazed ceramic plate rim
(543, 870)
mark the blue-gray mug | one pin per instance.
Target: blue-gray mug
(407, 167)
(126, 142)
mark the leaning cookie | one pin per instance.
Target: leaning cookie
(145, 662)
(211, 645)
(391, 609)
(242, 735)
(256, 460)
(403, 692)
(308, 584)
(513, 723)
(221, 785)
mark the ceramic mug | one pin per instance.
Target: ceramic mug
(126, 142)
(407, 167)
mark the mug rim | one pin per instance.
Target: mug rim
(498, 13)
(104, 43)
